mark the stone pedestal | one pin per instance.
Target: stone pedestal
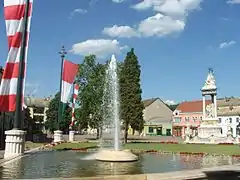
(15, 143)
(58, 136)
(71, 136)
(208, 131)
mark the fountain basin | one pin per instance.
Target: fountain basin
(111, 155)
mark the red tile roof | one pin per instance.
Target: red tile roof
(192, 106)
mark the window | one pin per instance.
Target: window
(219, 120)
(38, 119)
(237, 120)
(187, 118)
(38, 110)
(201, 118)
(230, 120)
(150, 129)
(177, 119)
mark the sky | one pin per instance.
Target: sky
(176, 41)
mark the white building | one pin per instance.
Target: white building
(229, 115)
(38, 108)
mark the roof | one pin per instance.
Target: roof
(36, 102)
(192, 106)
(228, 102)
(148, 102)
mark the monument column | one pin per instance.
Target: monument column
(215, 106)
(204, 107)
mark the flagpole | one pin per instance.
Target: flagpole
(62, 55)
(21, 70)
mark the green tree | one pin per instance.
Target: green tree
(130, 93)
(91, 79)
(173, 106)
(52, 115)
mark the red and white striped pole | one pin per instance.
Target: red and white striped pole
(75, 94)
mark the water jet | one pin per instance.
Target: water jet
(111, 118)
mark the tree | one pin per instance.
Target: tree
(91, 79)
(130, 93)
(52, 115)
(173, 106)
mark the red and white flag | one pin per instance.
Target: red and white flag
(14, 11)
(69, 72)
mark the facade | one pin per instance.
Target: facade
(157, 117)
(187, 113)
(38, 108)
(191, 112)
(229, 115)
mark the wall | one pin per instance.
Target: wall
(155, 126)
(157, 109)
(193, 118)
(224, 123)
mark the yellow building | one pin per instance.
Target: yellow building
(157, 117)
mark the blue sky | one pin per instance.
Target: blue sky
(176, 42)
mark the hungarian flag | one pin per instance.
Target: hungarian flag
(14, 12)
(69, 73)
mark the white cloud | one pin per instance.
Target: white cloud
(99, 47)
(170, 102)
(179, 8)
(227, 44)
(118, 1)
(160, 25)
(120, 31)
(81, 11)
(170, 17)
(233, 2)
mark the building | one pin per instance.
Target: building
(229, 115)
(191, 112)
(38, 108)
(157, 116)
(187, 113)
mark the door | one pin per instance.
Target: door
(168, 132)
(159, 131)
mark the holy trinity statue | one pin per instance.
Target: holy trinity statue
(209, 110)
(210, 78)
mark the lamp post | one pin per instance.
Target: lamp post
(58, 133)
(62, 55)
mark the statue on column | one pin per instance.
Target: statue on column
(210, 82)
(209, 111)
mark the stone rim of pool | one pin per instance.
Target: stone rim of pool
(111, 155)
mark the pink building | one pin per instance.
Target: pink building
(187, 113)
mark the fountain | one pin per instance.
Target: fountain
(111, 118)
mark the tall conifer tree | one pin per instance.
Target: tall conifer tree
(130, 93)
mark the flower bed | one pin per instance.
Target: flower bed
(225, 144)
(155, 142)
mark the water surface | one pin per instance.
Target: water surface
(72, 164)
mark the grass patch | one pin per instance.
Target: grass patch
(31, 145)
(175, 148)
(75, 145)
(191, 148)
